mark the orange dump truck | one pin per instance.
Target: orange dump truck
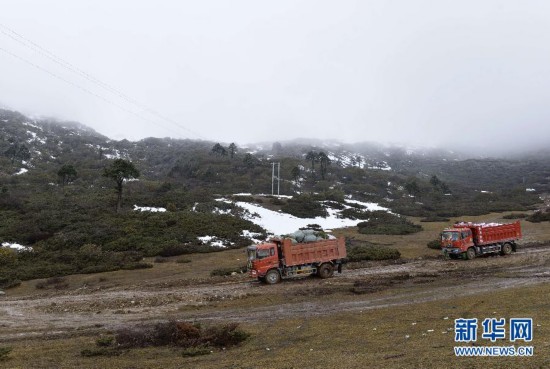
(473, 239)
(281, 258)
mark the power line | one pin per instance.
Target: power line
(82, 88)
(65, 64)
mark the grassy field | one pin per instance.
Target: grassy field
(416, 336)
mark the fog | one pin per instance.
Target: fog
(465, 75)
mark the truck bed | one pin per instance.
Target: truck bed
(313, 252)
(486, 234)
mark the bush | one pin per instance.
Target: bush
(353, 213)
(7, 283)
(360, 252)
(304, 206)
(434, 218)
(174, 250)
(515, 216)
(539, 216)
(196, 351)
(381, 222)
(183, 261)
(242, 198)
(137, 265)
(182, 334)
(4, 352)
(224, 336)
(101, 351)
(227, 271)
(105, 341)
(57, 283)
(434, 244)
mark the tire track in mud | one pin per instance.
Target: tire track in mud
(78, 312)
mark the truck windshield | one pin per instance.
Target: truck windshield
(262, 253)
(449, 236)
(251, 251)
(254, 253)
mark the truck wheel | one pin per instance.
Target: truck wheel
(272, 277)
(471, 253)
(506, 249)
(326, 271)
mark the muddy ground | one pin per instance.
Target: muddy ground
(90, 309)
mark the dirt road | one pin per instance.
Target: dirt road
(82, 311)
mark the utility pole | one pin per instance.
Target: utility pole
(273, 178)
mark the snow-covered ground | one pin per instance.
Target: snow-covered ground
(279, 223)
(16, 246)
(147, 208)
(212, 241)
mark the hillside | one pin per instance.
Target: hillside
(72, 225)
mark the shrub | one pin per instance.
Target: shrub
(105, 341)
(8, 282)
(173, 250)
(434, 218)
(183, 261)
(381, 222)
(277, 201)
(101, 351)
(515, 216)
(137, 265)
(539, 216)
(182, 334)
(57, 283)
(434, 244)
(4, 352)
(196, 351)
(360, 252)
(161, 259)
(242, 198)
(353, 213)
(227, 271)
(304, 206)
(225, 336)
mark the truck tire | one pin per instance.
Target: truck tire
(470, 253)
(272, 277)
(506, 249)
(326, 271)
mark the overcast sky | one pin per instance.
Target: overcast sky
(458, 73)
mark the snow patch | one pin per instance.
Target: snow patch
(147, 208)
(16, 246)
(281, 223)
(252, 235)
(212, 241)
(21, 171)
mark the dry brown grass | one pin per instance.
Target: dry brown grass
(367, 339)
(373, 338)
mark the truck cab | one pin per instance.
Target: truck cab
(262, 258)
(455, 241)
